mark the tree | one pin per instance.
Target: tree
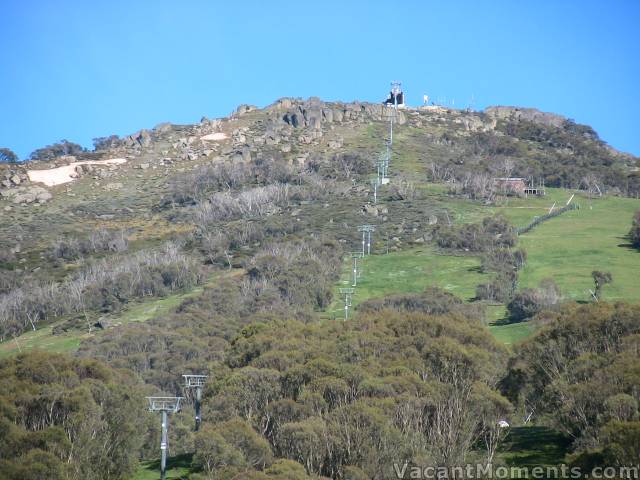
(63, 147)
(600, 279)
(8, 156)
(635, 230)
(529, 301)
(63, 417)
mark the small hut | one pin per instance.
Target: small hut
(510, 185)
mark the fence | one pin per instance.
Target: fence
(538, 220)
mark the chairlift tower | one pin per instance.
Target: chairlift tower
(164, 405)
(366, 233)
(348, 293)
(374, 183)
(396, 91)
(355, 256)
(196, 383)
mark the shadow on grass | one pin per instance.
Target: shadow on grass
(535, 446)
(179, 461)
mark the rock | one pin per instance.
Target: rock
(43, 196)
(24, 198)
(16, 179)
(242, 109)
(144, 166)
(272, 139)
(334, 144)
(370, 210)
(7, 208)
(528, 114)
(164, 127)
(246, 154)
(113, 186)
(433, 220)
(286, 148)
(327, 114)
(7, 183)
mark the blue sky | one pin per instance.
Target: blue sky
(79, 69)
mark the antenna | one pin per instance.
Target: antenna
(195, 382)
(165, 405)
(348, 293)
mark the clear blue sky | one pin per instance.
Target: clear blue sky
(83, 69)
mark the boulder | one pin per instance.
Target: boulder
(370, 210)
(26, 197)
(43, 196)
(16, 179)
(246, 154)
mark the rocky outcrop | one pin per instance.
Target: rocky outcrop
(528, 114)
(138, 139)
(26, 195)
(313, 113)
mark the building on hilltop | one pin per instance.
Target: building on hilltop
(518, 186)
(510, 185)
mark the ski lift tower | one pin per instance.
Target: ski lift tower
(196, 383)
(164, 405)
(374, 183)
(355, 256)
(366, 234)
(398, 98)
(348, 293)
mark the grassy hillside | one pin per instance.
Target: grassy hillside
(566, 248)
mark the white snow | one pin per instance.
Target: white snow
(216, 137)
(67, 173)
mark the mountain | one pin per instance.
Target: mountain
(225, 248)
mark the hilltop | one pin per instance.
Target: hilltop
(221, 247)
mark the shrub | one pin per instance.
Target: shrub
(529, 301)
(493, 232)
(634, 233)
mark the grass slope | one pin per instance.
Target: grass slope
(566, 248)
(408, 271)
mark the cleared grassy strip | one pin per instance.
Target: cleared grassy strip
(534, 447)
(409, 271)
(512, 332)
(178, 467)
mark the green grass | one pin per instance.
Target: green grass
(512, 332)
(569, 247)
(566, 248)
(409, 271)
(534, 446)
(178, 467)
